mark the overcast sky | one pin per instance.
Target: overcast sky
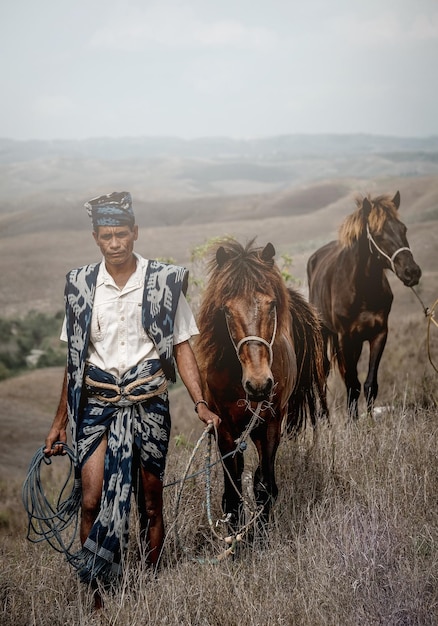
(238, 68)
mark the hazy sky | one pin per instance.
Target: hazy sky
(240, 68)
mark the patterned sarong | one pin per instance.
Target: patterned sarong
(133, 412)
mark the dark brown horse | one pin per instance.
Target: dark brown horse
(348, 285)
(261, 353)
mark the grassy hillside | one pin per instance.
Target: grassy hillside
(353, 538)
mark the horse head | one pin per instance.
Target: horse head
(387, 237)
(250, 312)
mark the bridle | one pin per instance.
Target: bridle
(249, 338)
(380, 251)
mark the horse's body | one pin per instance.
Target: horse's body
(348, 285)
(260, 346)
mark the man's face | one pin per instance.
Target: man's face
(116, 243)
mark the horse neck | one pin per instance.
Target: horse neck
(367, 266)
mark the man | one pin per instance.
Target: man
(127, 321)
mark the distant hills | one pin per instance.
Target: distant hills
(292, 190)
(281, 147)
(65, 173)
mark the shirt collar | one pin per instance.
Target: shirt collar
(135, 280)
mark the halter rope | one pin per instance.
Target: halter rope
(371, 240)
(249, 338)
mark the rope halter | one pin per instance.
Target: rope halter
(371, 240)
(256, 338)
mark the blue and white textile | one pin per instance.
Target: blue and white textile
(144, 423)
(131, 412)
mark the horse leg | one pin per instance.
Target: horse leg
(371, 387)
(265, 486)
(351, 348)
(232, 504)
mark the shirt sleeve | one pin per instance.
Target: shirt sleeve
(185, 324)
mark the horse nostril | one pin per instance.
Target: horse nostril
(259, 391)
(411, 275)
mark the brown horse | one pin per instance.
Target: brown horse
(348, 285)
(261, 352)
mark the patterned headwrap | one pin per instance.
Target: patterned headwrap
(113, 209)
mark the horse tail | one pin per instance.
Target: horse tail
(308, 399)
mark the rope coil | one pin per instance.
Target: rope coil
(46, 521)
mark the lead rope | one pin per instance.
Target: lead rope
(233, 539)
(430, 315)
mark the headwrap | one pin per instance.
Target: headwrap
(113, 209)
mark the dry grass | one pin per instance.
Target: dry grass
(354, 534)
(353, 540)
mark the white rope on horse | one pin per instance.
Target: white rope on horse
(255, 419)
(256, 338)
(371, 240)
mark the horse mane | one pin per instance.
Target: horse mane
(240, 276)
(309, 397)
(352, 228)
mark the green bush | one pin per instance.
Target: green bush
(20, 336)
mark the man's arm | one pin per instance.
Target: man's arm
(189, 372)
(58, 430)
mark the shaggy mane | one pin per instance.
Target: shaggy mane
(241, 276)
(352, 228)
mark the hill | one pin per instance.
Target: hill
(354, 536)
(293, 191)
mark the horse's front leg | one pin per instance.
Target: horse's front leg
(371, 387)
(266, 440)
(351, 348)
(232, 504)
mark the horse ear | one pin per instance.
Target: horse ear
(396, 200)
(221, 256)
(268, 252)
(366, 207)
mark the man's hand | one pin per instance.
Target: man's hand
(55, 434)
(58, 430)
(207, 416)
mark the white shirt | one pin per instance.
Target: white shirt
(118, 340)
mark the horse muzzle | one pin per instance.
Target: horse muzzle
(258, 391)
(409, 274)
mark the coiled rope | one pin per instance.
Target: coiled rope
(46, 521)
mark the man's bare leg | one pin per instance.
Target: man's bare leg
(151, 522)
(92, 481)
